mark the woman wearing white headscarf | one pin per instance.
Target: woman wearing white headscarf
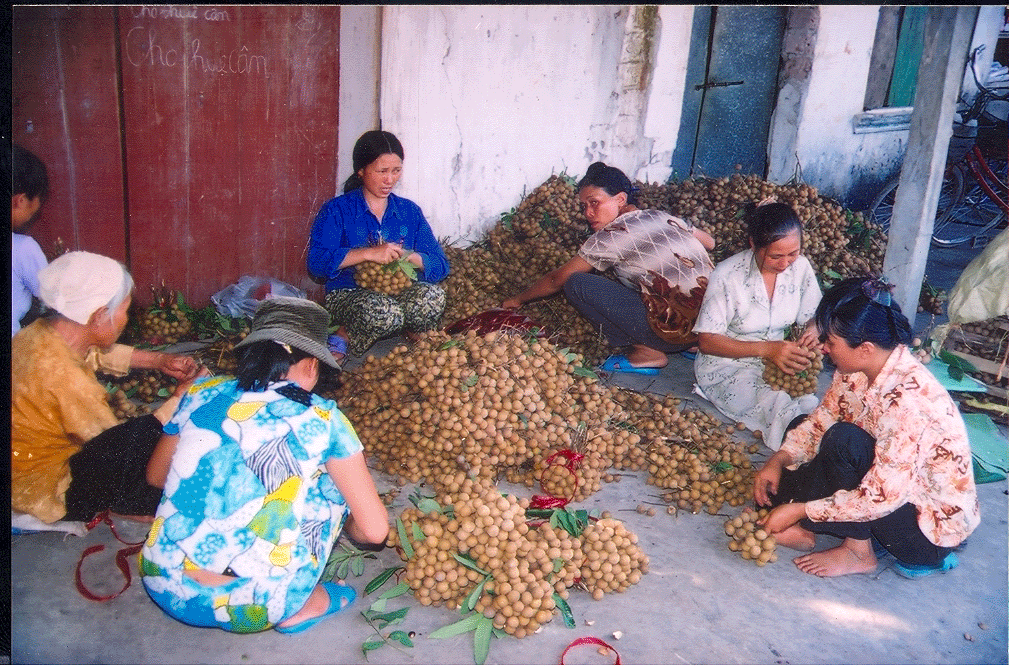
(70, 458)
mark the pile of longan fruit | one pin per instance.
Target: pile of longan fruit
(165, 321)
(122, 407)
(547, 227)
(388, 278)
(749, 539)
(510, 405)
(523, 566)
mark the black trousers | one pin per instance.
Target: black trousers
(846, 453)
(110, 472)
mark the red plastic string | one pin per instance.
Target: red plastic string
(589, 640)
(547, 502)
(122, 555)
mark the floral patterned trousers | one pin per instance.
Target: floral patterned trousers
(370, 316)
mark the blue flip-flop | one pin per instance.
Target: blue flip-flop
(918, 571)
(340, 597)
(618, 363)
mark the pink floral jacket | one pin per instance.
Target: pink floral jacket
(922, 453)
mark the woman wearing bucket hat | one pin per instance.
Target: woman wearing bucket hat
(70, 458)
(260, 478)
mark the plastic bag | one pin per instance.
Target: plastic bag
(494, 320)
(242, 298)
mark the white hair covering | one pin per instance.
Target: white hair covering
(78, 283)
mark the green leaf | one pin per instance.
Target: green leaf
(390, 617)
(555, 520)
(426, 505)
(343, 570)
(357, 566)
(470, 563)
(471, 381)
(467, 624)
(164, 392)
(378, 606)
(558, 564)
(405, 543)
(585, 372)
(582, 517)
(565, 609)
(377, 582)
(370, 646)
(481, 641)
(418, 533)
(397, 590)
(831, 273)
(449, 343)
(402, 637)
(470, 602)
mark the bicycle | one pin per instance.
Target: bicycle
(973, 199)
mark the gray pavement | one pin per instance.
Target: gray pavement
(699, 604)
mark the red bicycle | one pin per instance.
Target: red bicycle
(973, 202)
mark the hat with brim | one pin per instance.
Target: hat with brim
(296, 322)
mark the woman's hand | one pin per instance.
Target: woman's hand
(783, 517)
(177, 366)
(788, 356)
(766, 482)
(810, 336)
(385, 253)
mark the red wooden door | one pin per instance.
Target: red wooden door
(65, 109)
(230, 125)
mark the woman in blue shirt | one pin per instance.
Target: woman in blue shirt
(369, 223)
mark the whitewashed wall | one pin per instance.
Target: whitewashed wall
(830, 154)
(489, 101)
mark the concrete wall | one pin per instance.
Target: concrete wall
(830, 155)
(360, 39)
(489, 101)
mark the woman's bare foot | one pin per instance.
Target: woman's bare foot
(642, 356)
(852, 557)
(316, 605)
(796, 537)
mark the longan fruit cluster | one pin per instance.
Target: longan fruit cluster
(613, 559)
(122, 407)
(801, 383)
(700, 479)
(569, 475)
(165, 325)
(146, 386)
(388, 278)
(750, 540)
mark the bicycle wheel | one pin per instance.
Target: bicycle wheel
(973, 216)
(881, 209)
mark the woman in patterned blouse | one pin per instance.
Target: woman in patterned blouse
(260, 478)
(660, 260)
(883, 462)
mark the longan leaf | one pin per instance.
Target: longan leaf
(357, 566)
(500, 633)
(343, 570)
(470, 563)
(582, 517)
(470, 381)
(467, 624)
(378, 606)
(418, 533)
(565, 609)
(558, 564)
(404, 542)
(474, 596)
(164, 392)
(377, 582)
(370, 646)
(390, 617)
(585, 372)
(831, 273)
(481, 640)
(449, 343)
(426, 505)
(397, 590)
(402, 637)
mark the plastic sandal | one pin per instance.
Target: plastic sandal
(618, 363)
(918, 571)
(340, 597)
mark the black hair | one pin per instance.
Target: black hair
(610, 179)
(860, 310)
(265, 361)
(371, 145)
(28, 174)
(771, 222)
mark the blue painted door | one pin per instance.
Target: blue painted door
(731, 87)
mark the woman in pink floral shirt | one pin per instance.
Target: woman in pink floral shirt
(883, 462)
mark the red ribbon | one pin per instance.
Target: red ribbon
(122, 555)
(589, 640)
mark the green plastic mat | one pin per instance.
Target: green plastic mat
(940, 369)
(989, 447)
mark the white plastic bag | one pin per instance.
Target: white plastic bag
(242, 298)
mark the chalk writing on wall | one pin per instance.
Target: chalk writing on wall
(173, 12)
(143, 46)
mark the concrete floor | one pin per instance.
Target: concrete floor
(700, 602)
